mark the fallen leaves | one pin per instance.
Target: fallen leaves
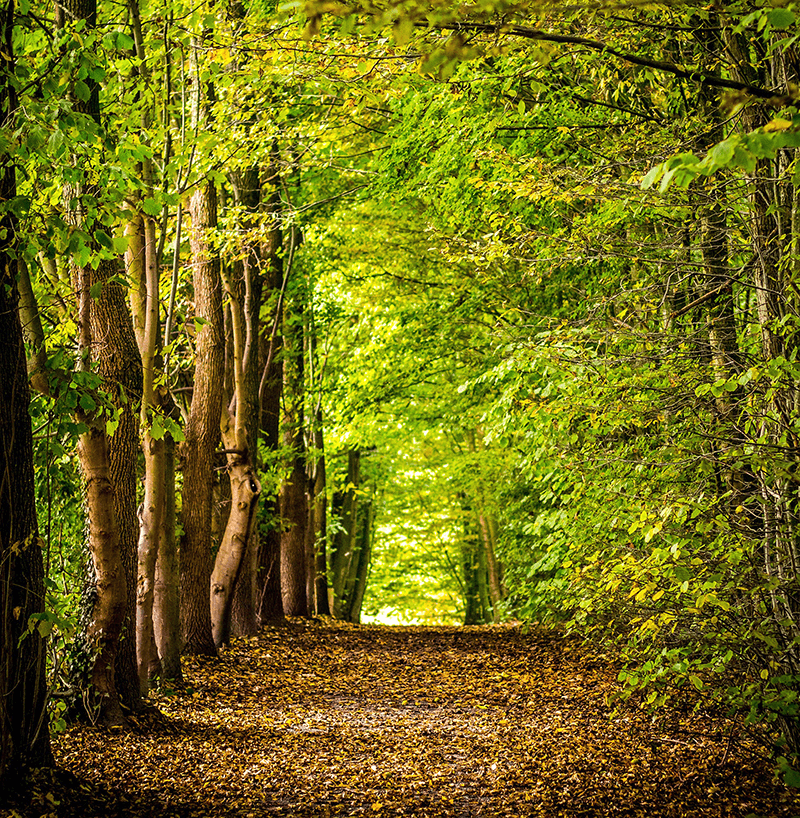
(330, 720)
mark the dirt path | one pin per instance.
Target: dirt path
(327, 720)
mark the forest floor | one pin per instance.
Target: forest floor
(334, 720)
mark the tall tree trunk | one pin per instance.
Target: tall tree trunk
(317, 536)
(363, 557)
(144, 269)
(102, 334)
(321, 539)
(473, 614)
(270, 601)
(24, 737)
(343, 547)
(120, 366)
(487, 529)
(166, 586)
(293, 496)
(488, 536)
(203, 426)
(240, 422)
(202, 429)
(318, 520)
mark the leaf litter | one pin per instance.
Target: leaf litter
(327, 719)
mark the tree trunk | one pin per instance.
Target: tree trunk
(120, 366)
(363, 554)
(270, 600)
(240, 422)
(103, 328)
(203, 425)
(318, 522)
(344, 542)
(202, 429)
(321, 533)
(486, 526)
(24, 737)
(473, 615)
(294, 516)
(166, 588)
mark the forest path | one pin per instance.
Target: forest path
(332, 720)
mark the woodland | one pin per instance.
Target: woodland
(473, 316)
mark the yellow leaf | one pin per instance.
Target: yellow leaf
(777, 125)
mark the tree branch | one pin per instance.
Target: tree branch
(703, 77)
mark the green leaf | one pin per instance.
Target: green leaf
(653, 175)
(103, 239)
(82, 257)
(174, 429)
(124, 42)
(151, 207)
(696, 681)
(157, 429)
(781, 18)
(791, 777)
(19, 205)
(87, 402)
(82, 91)
(120, 244)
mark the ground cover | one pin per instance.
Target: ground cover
(323, 719)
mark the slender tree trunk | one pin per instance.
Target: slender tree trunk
(317, 537)
(166, 587)
(364, 555)
(270, 600)
(494, 587)
(487, 529)
(320, 545)
(293, 496)
(319, 520)
(344, 543)
(473, 615)
(240, 424)
(145, 272)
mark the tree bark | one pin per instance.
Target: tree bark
(119, 365)
(320, 520)
(293, 496)
(202, 429)
(343, 548)
(166, 586)
(203, 425)
(103, 326)
(240, 423)
(24, 737)
(270, 600)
